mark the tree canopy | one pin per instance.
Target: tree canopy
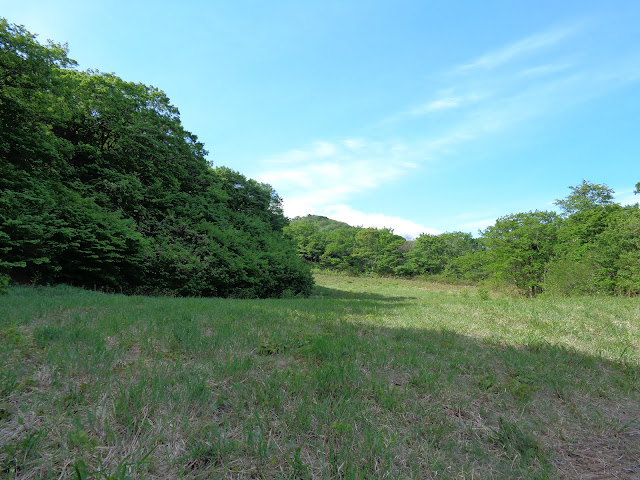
(586, 196)
(103, 187)
(592, 246)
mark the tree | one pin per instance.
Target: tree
(102, 186)
(616, 253)
(310, 241)
(519, 246)
(431, 254)
(29, 91)
(577, 266)
(609, 262)
(376, 251)
(340, 246)
(322, 224)
(586, 196)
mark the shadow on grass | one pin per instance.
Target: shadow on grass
(544, 406)
(333, 293)
(331, 389)
(539, 408)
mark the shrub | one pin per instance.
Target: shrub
(4, 284)
(567, 276)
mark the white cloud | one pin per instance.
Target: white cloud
(400, 226)
(325, 176)
(516, 96)
(542, 70)
(322, 186)
(441, 104)
(354, 143)
(491, 100)
(317, 150)
(322, 175)
(526, 46)
(330, 181)
(626, 197)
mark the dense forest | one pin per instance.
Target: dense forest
(591, 246)
(102, 187)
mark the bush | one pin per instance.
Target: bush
(4, 284)
(567, 276)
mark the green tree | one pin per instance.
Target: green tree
(29, 92)
(322, 224)
(339, 250)
(101, 185)
(432, 254)
(376, 251)
(579, 264)
(310, 241)
(519, 246)
(586, 196)
(616, 253)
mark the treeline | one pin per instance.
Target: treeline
(592, 246)
(102, 187)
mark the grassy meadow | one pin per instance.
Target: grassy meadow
(368, 378)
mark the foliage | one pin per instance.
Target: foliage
(353, 249)
(586, 196)
(322, 224)
(311, 243)
(598, 250)
(377, 251)
(592, 247)
(432, 254)
(103, 187)
(566, 275)
(618, 252)
(519, 246)
(338, 253)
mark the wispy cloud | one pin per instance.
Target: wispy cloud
(521, 48)
(545, 69)
(440, 104)
(328, 172)
(318, 150)
(493, 100)
(494, 93)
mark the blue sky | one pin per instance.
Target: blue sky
(421, 116)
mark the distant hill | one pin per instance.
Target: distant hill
(323, 224)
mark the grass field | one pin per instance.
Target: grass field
(368, 378)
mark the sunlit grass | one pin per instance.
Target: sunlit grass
(368, 378)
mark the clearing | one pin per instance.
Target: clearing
(368, 378)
